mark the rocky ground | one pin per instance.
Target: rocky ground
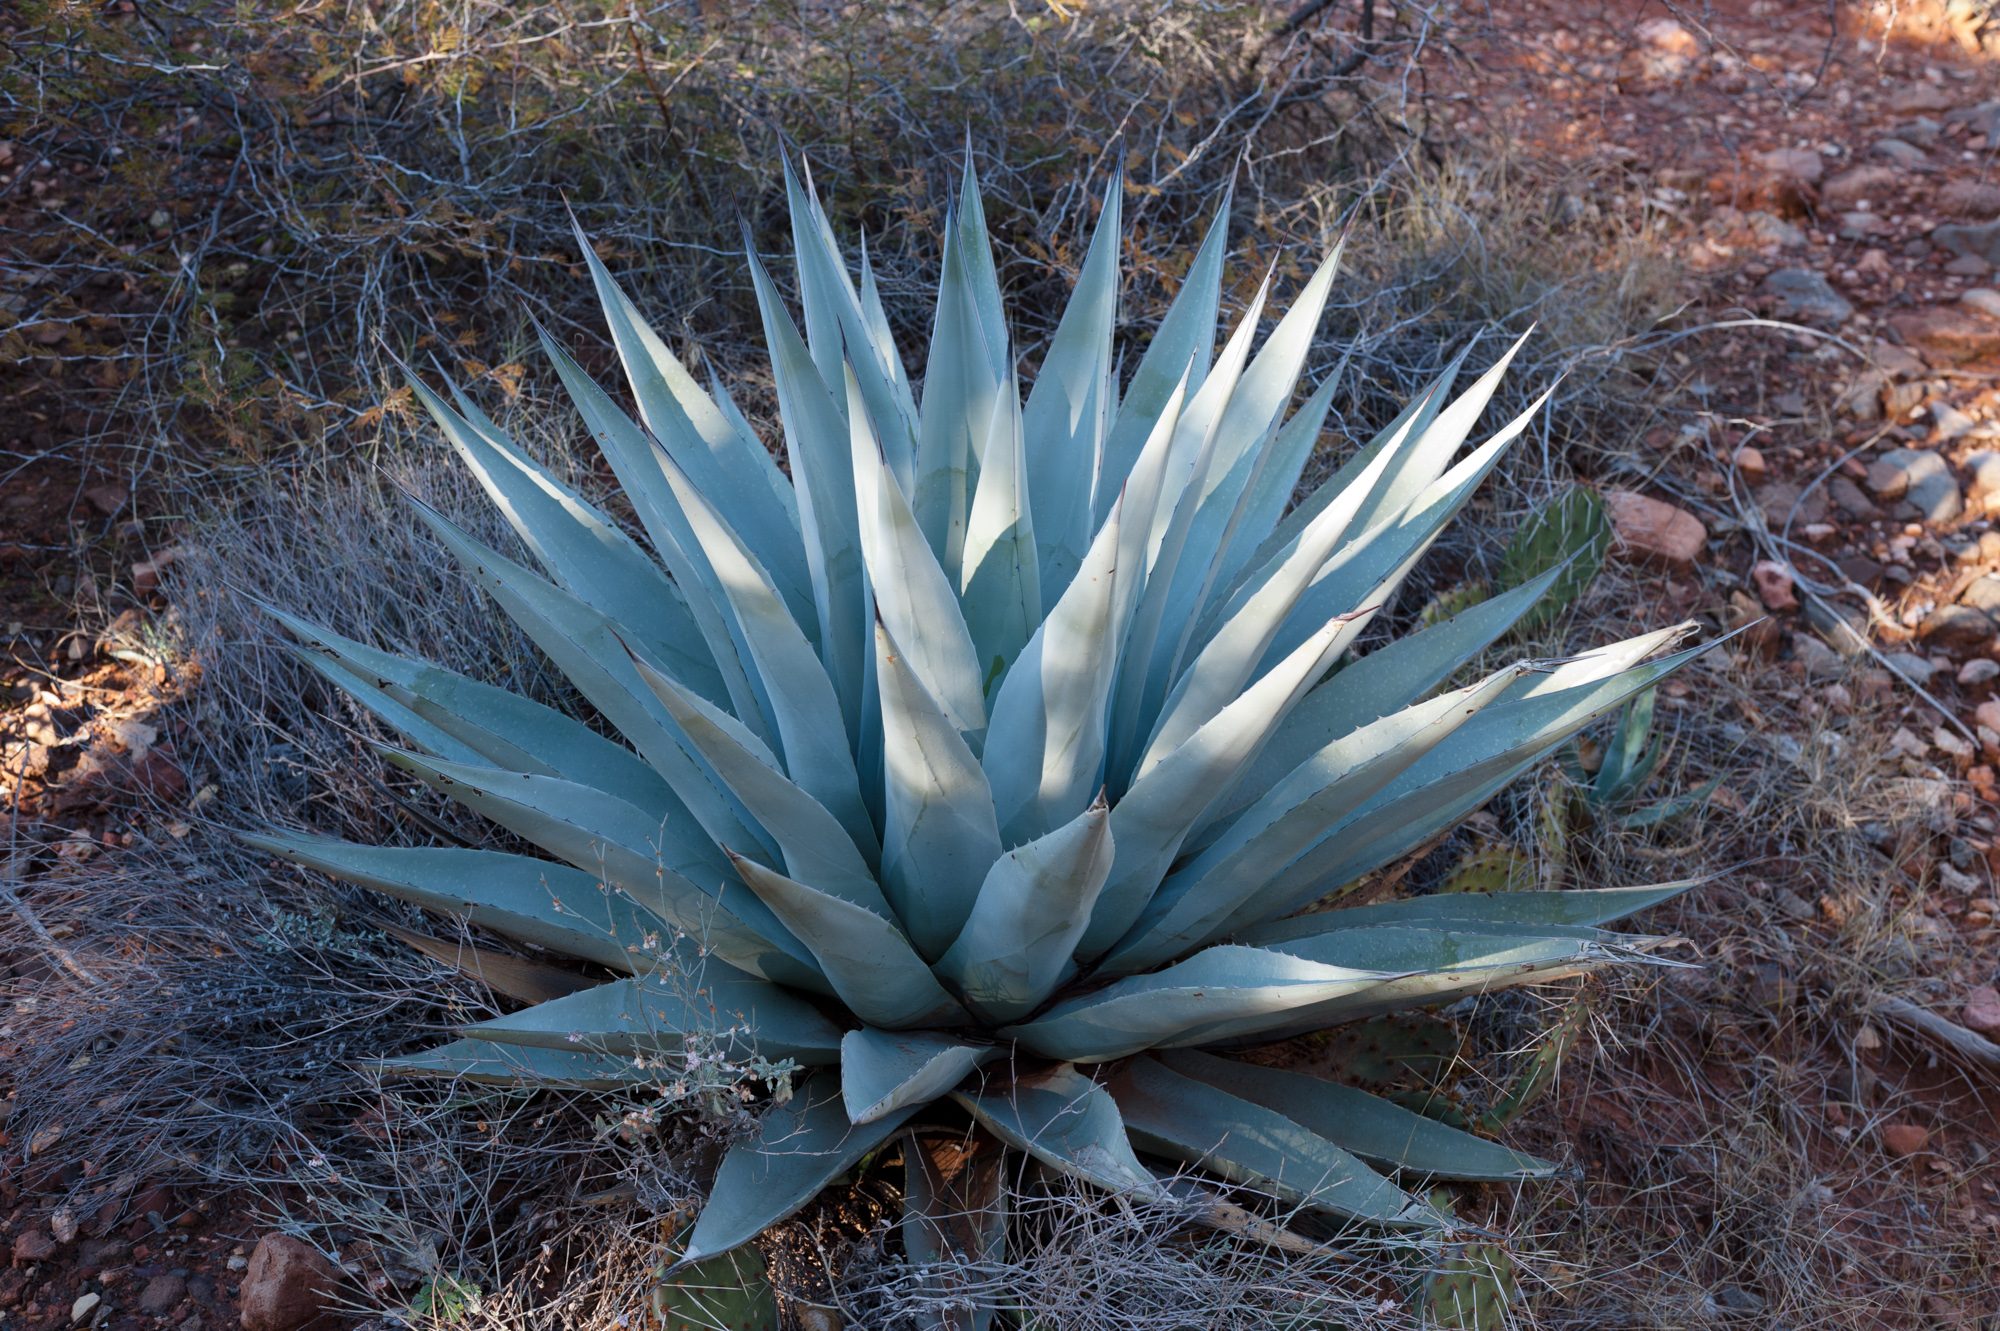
(1827, 475)
(1835, 196)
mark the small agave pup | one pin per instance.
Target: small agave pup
(984, 767)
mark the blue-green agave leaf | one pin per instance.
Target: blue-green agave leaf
(939, 833)
(1384, 681)
(803, 702)
(674, 876)
(867, 960)
(1495, 912)
(1177, 356)
(637, 463)
(1368, 1126)
(816, 444)
(1489, 751)
(489, 1063)
(537, 901)
(1181, 1004)
(708, 1006)
(1446, 966)
(1367, 570)
(1187, 1119)
(1000, 588)
(582, 549)
(966, 371)
(883, 1071)
(1064, 1119)
(816, 847)
(731, 466)
(801, 1146)
(1027, 916)
(1069, 408)
(487, 723)
(585, 647)
(913, 597)
(1046, 744)
(1171, 800)
(1226, 662)
(843, 324)
(1292, 817)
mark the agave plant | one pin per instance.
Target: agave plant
(985, 761)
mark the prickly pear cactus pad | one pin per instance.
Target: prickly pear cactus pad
(983, 759)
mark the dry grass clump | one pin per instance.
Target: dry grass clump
(272, 193)
(1727, 1118)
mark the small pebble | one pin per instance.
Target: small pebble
(1905, 1139)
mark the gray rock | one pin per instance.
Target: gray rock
(1933, 499)
(1819, 661)
(1983, 119)
(1920, 95)
(1849, 499)
(1978, 671)
(1916, 669)
(1971, 240)
(1803, 294)
(1897, 360)
(1984, 299)
(1787, 501)
(1920, 130)
(1968, 265)
(1985, 484)
(1983, 594)
(1860, 226)
(1773, 232)
(161, 1295)
(1961, 626)
(1921, 480)
(1949, 423)
(1889, 476)
(1861, 397)
(1736, 1299)
(1899, 153)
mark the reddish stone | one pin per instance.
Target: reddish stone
(287, 1286)
(1982, 1007)
(146, 575)
(1649, 531)
(1969, 198)
(1774, 585)
(1858, 183)
(1949, 333)
(158, 775)
(1905, 1139)
(1800, 164)
(33, 1245)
